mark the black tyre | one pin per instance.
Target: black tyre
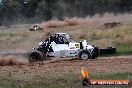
(84, 55)
(95, 53)
(35, 56)
(108, 50)
(31, 29)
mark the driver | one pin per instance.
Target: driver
(59, 39)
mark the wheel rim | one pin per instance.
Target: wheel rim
(84, 56)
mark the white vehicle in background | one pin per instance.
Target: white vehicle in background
(61, 45)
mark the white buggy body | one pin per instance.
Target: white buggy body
(68, 48)
(71, 49)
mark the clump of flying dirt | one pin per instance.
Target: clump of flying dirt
(67, 22)
(11, 60)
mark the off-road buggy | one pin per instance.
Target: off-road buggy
(61, 45)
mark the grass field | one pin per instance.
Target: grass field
(58, 80)
(18, 39)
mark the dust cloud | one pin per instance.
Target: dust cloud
(94, 20)
(11, 60)
(67, 22)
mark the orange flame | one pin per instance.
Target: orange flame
(84, 73)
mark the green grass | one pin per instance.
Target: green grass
(126, 75)
(57, 80)
(123, 49)
(19, 37)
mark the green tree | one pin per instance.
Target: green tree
(10, 11)
(45, 9)
(15, 10)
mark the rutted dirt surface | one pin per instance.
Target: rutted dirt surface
(99, 65)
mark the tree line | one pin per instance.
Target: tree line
(15, 11)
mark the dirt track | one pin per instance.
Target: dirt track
(99, 65)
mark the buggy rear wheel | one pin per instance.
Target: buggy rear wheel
(35, 56)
